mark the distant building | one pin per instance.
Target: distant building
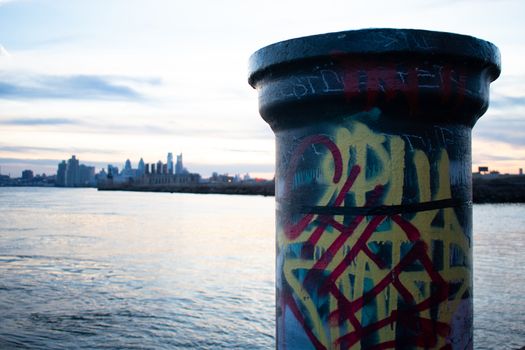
(101, 176)
(5, 180)
(170, 163)
(86, 175)
(127, 173)
(483, 169)
(127, 166)
(27, 175)
(74, 174)
(224, 178)
(61, 174)
(163, 174)
(141, 167)
(112, 171)
(150, 174)
(168, 179)
(179, 167)
(521, 172)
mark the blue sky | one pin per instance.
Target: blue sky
(117, 79)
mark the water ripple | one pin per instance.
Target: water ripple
(106, 271)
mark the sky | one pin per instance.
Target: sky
(109, 80)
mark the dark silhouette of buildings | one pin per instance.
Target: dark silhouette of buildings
(27, 175)
(74, 174)
(112, 171)
(148, 175)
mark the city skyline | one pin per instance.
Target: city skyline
(128, 164)
(115, 80)
(171, 167)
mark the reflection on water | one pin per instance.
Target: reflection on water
(499, 276)
(87, 269)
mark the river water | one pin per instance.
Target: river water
(85, 269)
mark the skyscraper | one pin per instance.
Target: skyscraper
(72, 172)
(112, 171)
(170, 163)
(179, 168)
(141, 168)
(27, 175)
(86, 175)
(61, 174)
(127, 165)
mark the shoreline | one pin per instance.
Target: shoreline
(261, 189)
(498, 189)
(485, 189)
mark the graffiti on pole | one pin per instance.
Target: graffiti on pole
(371, 252)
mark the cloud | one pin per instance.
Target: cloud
(116, 126)
(39, 121)
(231, 168)
(23, 149)
(491, 157)
(247, 150)
(498, 101)
(65, 150)
(29, 161)
(3, 51)
(503, 129)
(49, 166)
(205, 132)
(76, 87)
(504, 122)
(210, 132)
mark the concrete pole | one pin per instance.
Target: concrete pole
(373, 185)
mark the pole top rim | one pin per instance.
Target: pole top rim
(375, 42)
